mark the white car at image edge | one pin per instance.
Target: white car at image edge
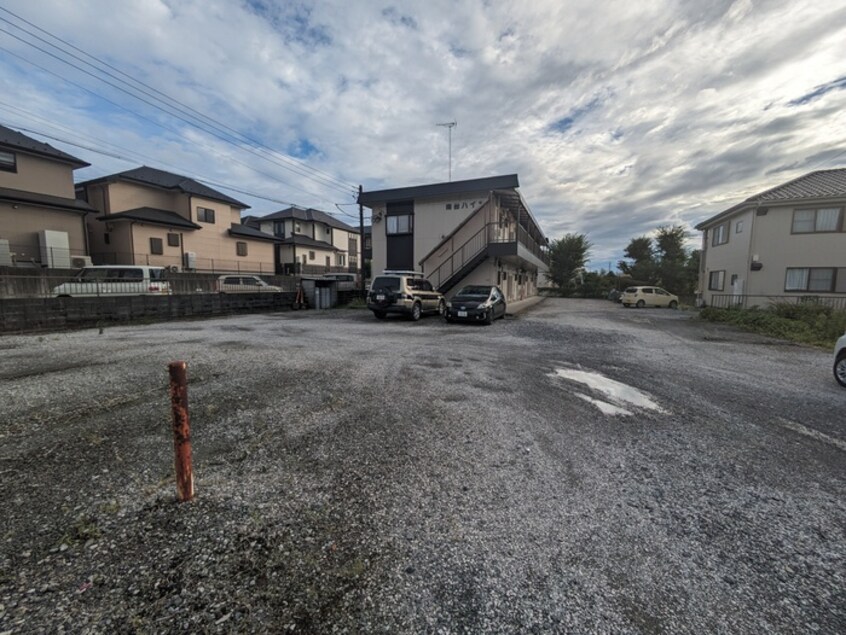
(840, 361)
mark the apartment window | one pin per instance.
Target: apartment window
(812, 279)
(156, 246)
(738, 227)
(403, 224)
(205, 215)
(720, 235)
(810, 221)
(8, 161)
(241, 248)
(311, 255)
(173, 240)
(716, 280)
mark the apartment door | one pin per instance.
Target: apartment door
(399, 234)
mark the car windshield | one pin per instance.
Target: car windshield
(385, 282)
(473, 290)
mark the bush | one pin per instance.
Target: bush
(806, 322)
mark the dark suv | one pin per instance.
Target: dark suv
(404, 292)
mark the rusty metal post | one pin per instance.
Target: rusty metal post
(181, 430)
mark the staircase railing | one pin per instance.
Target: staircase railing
(472, 248)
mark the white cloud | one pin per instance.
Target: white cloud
(676, 109)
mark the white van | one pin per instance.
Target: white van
(115, 280)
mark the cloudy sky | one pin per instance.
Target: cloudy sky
(618, 116)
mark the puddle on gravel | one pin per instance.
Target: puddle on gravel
(618, 396)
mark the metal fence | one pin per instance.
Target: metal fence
(728, 300)
(52, 284)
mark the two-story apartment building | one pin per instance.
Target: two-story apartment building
(41, 221)
(310, 241)
(785, 241)
(149, 216)
(478, 231)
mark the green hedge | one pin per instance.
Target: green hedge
(806, 322)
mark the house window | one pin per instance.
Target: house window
(311, 255)
(173, 240)
(810, 221)
(716, 280)
(205, 215)
(403, 224)
(720, 235)
(738, 227)
(107, 238)
(341, 259)
(328, 261)
(279, 228)
(8, 161)
(156, 246)
(328, 231)
(811, 279)
(367, 244)
(241, 248)
(297, 228)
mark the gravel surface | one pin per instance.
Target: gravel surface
(580, 468)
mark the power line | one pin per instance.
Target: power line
(182, 172)
(214, 129)
(158, 124)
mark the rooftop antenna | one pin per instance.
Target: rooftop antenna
(449, 125)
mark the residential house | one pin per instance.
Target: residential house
(41, 221)
(788, 241)
(310, 241)
(478, 231)
(149, 216)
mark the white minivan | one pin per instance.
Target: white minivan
(115, 280)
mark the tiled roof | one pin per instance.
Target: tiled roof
(44, 200)
(306, 241)
(153, 216)
(248, 232)
(17, 140)
(169, 181)
(821, 184)
(308, 215)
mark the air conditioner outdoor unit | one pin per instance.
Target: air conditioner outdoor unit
(55, 249)
(175, 268)
(78, 262)
(190, 258)
(5, 253)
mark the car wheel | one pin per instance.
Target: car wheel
(640, 304)
(840, 369)
(441, 307)
(674, 304)
(504, 309)
(489, 317)
(415, 312)
(626, 304)
(449, 320)
(380, 315)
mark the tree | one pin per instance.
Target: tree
(567, 256)
(642, 252)
(671, 258)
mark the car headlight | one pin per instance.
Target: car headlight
(484, 305)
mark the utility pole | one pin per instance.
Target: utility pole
(362, 287)
(449, 125)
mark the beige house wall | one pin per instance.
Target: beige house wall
(20, 224)
(124, 196)
(732, 257)
(36, 174)
(779, 249)
(771, 242)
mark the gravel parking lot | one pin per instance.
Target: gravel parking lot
(579, 468)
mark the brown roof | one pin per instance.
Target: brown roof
(152, 216)
(821, 184)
